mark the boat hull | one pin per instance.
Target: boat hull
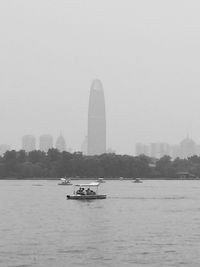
(86, 197)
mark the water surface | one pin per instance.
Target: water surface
(156, 223)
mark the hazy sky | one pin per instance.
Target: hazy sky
(146, 53)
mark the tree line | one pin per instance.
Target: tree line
(55, 164)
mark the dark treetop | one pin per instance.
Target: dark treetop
(37, 164)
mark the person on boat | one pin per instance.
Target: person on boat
(92, 192)
(88, 191)
(82, 191)
(78, 191)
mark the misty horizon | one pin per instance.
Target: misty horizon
(146, 55)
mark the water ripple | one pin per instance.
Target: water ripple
(135, 226)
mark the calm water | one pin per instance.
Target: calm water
(156, 223)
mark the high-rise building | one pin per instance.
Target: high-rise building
(159, 150)
(60, 143)
(96, 120)
(187, 148)
(28, 143)
(154, 150)
(141, 149)
(46, 142)
(163, 150)
(3, 149)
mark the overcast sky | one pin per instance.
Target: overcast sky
(145, 52)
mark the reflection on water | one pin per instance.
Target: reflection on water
(156, 223)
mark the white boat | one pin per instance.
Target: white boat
(137, 180)
(86, 192)
(121, 178)
(100, 180)
(64, 181)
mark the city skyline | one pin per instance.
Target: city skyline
(145, 53)
(96, 84)
(43, 143)
(184, 149)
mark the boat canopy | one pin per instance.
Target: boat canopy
(87, 185)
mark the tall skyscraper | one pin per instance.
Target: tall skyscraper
(46, 142)
(60, 143)
(96, 120)
(28, 143)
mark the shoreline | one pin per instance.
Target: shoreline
(92, 179)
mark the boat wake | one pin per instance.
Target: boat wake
(151, 198)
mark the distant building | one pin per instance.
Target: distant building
(3, 149)
(186, 175)
(159, 150)
(28, 143)
(163, 150)
(60, 143)
(46, 142)
(187, 148)
(175, 151)
(154, 150)
(141, 149)
(96, 120)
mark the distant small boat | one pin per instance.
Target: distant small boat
(121, 178)
(137, 180)
(86, 192)
(65, 181)
(100, 180)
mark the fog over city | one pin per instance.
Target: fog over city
(146, 54)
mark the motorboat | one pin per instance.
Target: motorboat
(137, 180)
(64, 181)
(86, 192)
(121, 178)
(100, 180)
